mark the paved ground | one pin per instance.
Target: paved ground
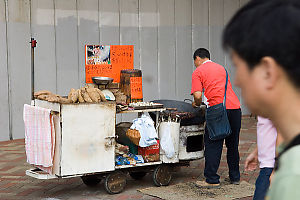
(14, 184)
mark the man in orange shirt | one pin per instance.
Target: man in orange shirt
(210, 77)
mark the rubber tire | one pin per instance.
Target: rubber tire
(111, 188)
(137, 175)
(90, 180)
(162, 175)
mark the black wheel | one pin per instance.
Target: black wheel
(115, 183)
(162, 175)
(137, 175)
(90, 180)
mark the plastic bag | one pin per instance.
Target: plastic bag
(145, 126)
(166, 142)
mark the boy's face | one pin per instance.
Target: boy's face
(250, 83)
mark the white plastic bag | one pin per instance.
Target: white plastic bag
(145, 126)
(166, 142)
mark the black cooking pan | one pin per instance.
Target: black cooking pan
(182, 106)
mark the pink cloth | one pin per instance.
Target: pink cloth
(39, 137)
(266, 142)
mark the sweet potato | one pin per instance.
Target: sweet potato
(80, 97)
(64, 100)
(86, 96)
(93, 94)
(120, 97)
(101, 95)
(53, 98)
(42, 96)
(73, 95)
(42, 92)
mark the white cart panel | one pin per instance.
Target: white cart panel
(87, 134)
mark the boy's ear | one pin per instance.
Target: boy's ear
(270, 71)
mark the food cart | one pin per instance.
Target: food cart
(85, 146)
(85, 132)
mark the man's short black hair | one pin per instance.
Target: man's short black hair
(202, 53)
(267, 28)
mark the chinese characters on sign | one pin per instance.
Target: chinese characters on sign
(107, 60)
(136, 87)
(98, 70)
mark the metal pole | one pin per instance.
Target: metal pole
(33, 45)
(8, 74)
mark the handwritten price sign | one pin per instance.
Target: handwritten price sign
(136, 87)
(97, 70)
(121, 57)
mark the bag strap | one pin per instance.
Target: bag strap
(294, 142)
(224, 100)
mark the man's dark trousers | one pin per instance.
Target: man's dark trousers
(262, 183)
(213, 150)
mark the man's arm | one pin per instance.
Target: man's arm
(279, 139)
(251, 161)
(197, 99)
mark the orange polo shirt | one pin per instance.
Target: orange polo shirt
(211, 77)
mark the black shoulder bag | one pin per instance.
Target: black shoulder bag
(217, 122)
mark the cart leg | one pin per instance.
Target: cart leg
(156, 120)
(137, 175)
(90, 180)
(115, 182)
(162, 175)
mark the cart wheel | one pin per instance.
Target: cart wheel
(137, 175)
(115, 183)
(162, 175)
(90, 180)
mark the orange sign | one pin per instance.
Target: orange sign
(107, 60)
(97, 70)
(121, 57)
(136, 87)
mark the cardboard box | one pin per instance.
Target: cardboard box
(150, 153)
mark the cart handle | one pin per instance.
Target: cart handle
(174, 109)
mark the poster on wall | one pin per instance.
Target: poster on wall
(107, 61)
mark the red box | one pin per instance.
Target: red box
(151, 153)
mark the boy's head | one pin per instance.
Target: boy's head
(200, 55)
(264, 40)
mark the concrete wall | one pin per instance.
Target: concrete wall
(164, 33)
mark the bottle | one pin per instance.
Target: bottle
(132, 161)
(117, 160)
(131, 155)
(124, 161)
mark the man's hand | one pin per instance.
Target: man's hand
(194, 104)
(251, 162)
(271, 177)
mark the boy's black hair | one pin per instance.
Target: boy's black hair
(202, 53)
(267, 28)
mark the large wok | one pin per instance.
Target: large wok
(182, 106)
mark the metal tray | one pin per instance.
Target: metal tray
(148, 107)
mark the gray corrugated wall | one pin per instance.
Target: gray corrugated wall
(4, 108)
(164, 33)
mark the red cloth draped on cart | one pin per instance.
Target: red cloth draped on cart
(39, 137)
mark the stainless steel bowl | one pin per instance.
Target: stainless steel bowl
(102, 80)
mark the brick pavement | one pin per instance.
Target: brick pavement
(14, 184)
